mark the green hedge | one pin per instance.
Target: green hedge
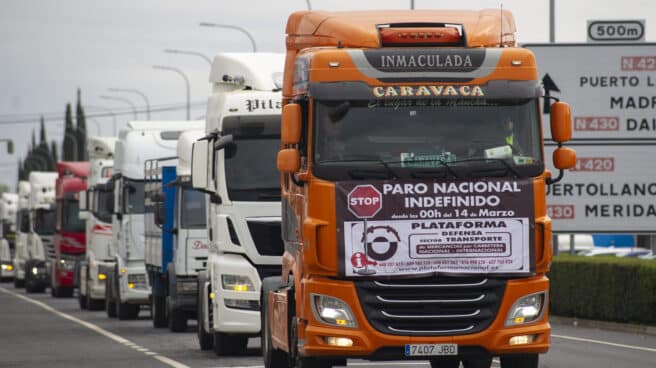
(604, 288)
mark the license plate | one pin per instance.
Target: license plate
(430, 349)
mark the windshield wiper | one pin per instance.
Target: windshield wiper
(364, 173)
(509, 167)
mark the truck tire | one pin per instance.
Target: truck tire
(316, 363)
(94, 304)
(18, 283)
(226, 344)
(82, 300)
(520, 361)
(273, 358)
(62, 292)
(205, 339)
(110, 305)
(177, 320)
(158, 309)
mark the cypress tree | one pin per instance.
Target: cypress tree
(21, 172)
(81, 129)
(69, 146)
(33, 146)
(53, 152)
(42, 134)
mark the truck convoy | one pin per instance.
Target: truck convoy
(176, 235)
(235, 164)
(70, 235)
(99, 200)
(22, 232)
(40, 251)
(8, 207)
(127, 284)
(413, 192)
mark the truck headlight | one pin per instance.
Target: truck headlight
(333, 311)
(66, 265)
(237, 283)
(526, 309)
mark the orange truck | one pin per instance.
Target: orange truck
(413, 192)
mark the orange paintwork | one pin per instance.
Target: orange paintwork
(323, 39)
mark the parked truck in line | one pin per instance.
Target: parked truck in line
(235, 164)
(413, 192)
(23, 227)
(127, 287)
(96, 210)
(40, 249)
(8, 208)
(176, 236)
(70, 235)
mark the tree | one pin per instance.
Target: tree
(42, 135)
(69, 150)
(33, 146)
(81, 129)
(53, 152)
(21, 169)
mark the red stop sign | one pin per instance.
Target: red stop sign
(364, 201)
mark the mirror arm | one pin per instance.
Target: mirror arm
(561, 173)
(296, 180)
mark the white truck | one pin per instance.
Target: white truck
(8, 206)
(176, 236)
(40, 249)
(235, 163)
(96, 207)
(23, 228)
(127, 284)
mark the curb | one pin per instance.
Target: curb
(604, 325)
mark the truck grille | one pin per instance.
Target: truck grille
(266, 236)
(435, 306)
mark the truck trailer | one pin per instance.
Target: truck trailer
(235, 164)
(96, 210)
(413, 192)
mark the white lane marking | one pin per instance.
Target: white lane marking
(633, 347)
(99, 330)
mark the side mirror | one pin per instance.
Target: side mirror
(227, 144)
(199, 153)
(289, 160)
(561, 122)
(215, 198)
(564, 158)
(291, 118)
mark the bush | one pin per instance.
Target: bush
(604, 288)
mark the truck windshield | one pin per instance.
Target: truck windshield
(133, 196)
(426, 138)
(103, 205)
(44, 222)
(251, 173)
(71, 221)
(193, 209)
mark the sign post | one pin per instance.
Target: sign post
(612, 187)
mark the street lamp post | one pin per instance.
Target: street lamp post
(236, 28)
(135, 91)
(184, 76)
(187, 52)
(110, 112)
(124, 100)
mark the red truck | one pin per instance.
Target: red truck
(70, 234)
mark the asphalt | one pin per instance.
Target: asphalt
(46, 332)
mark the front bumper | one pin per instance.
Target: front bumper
(229, 319)
(134, 274)
(6, 270)
(371, 344)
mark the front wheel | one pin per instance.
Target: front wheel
(82, 300)
(520, 361)
(273, 358)
(177, 319)
(205, 339)
(110, 305)
(225, 344)
(157, 307)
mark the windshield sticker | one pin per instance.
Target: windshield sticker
(411, 159)
(391, 228)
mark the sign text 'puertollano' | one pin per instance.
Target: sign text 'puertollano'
(428, 91)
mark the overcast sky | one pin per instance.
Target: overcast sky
(51, 47)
